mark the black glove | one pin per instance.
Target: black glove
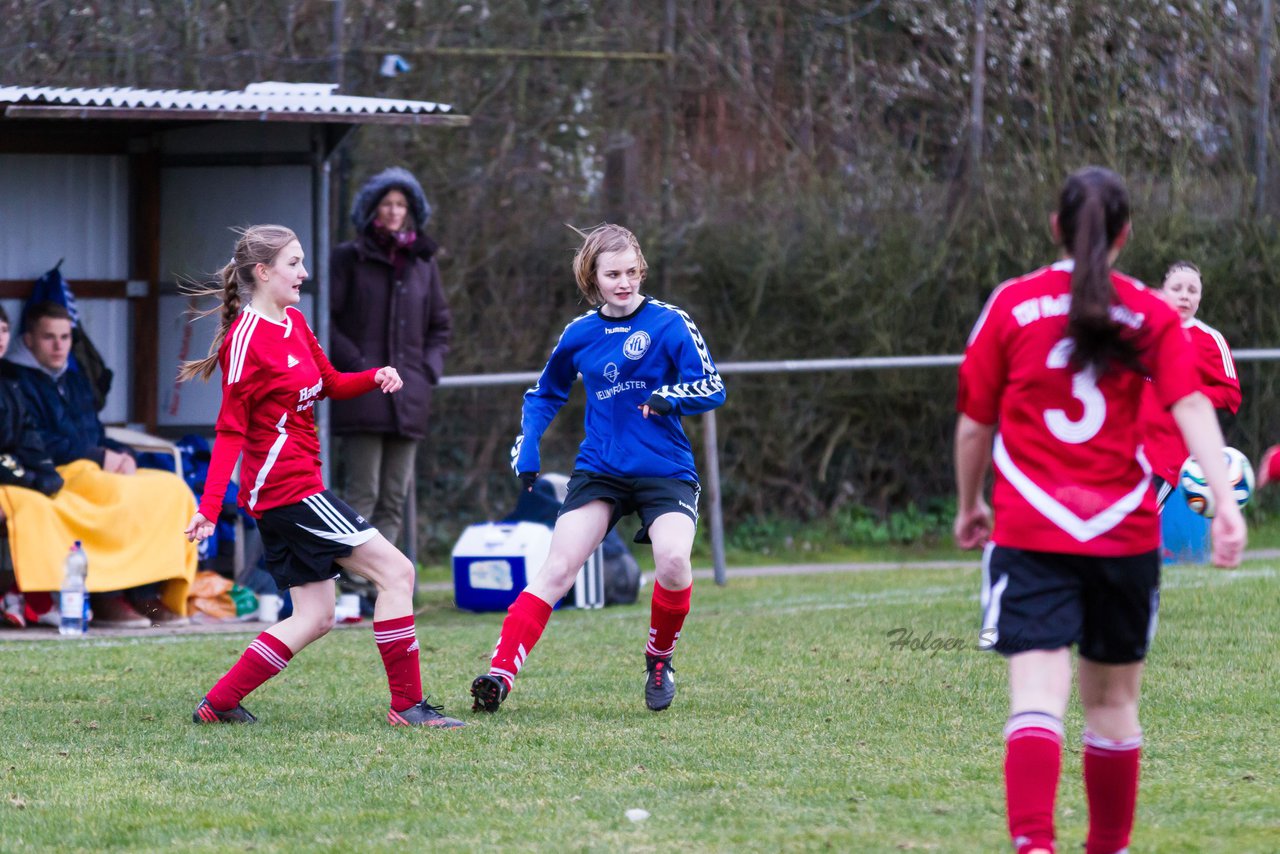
(659, 405)
(527, 479)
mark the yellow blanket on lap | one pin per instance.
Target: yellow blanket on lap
(131, 527)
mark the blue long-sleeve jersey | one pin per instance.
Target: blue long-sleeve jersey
(656, 349)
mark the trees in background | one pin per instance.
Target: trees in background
(809, 178)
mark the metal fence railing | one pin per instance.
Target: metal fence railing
(711, 448)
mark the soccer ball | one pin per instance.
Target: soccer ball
(1196, 488)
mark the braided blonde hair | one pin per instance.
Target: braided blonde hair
(258, 244)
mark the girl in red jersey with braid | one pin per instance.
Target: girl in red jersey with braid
(273, 373)
(1050, 388)
(1162, 441)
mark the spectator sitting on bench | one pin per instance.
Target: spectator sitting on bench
(25, 463)
(61, 403)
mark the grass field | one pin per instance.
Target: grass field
(797, 727)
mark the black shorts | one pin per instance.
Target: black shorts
(1041, 601)
(302, 541)
(650, 497)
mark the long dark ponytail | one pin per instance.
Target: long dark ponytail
(1093, 210)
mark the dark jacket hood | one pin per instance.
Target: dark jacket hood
(365, 206)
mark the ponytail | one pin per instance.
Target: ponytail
(1092, 213)
(259, 244)
(229, 292)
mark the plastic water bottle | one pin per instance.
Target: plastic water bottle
(73, 602)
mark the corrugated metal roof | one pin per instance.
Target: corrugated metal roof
(269, 97)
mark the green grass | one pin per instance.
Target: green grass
(797, 727)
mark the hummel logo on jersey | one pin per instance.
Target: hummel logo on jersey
(610, 330)
(292, 361)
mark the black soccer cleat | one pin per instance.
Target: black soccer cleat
(423, 714)
(207, 714)
(659, 682)
(488, 692)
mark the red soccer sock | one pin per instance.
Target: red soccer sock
(526, 618)
(266, 656)
(666, 617)
(1032, 762)
(1111, 785)
(36, 604)
(398, 645)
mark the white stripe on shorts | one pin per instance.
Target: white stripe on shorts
(355, 539)
(991, 594)
(328, 513)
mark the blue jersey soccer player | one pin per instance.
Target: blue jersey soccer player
(643, 364)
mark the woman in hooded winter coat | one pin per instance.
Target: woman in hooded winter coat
(388, 308)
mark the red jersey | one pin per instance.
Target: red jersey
(1162, 440)
(272, 375)
(1070, 475)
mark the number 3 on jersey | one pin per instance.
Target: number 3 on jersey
(1084, 388)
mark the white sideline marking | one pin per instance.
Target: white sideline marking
(1174, 577)
(817, 602)
(1190, 578)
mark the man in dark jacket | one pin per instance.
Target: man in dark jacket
(23, 462)
(61, 399)
(388, 308)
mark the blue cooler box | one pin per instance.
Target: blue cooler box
(1184, 534)
(493, 561)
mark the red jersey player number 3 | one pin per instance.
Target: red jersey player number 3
(1050, 390)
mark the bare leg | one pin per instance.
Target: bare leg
(312, 616)
(576, 536)
(672, 535)
(391, 573)
(1109, 694)
(1040, 681)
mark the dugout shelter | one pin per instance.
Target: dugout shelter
(135, 190)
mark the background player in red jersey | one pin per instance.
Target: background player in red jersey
(1269, 468)
(1050, 389)
(273, 373)
(1162, 440)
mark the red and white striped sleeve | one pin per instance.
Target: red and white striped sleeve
(984, 371)
(1217, 369)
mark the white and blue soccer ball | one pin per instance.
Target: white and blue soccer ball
(1196, 489)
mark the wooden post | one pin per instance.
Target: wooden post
(144, 304)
